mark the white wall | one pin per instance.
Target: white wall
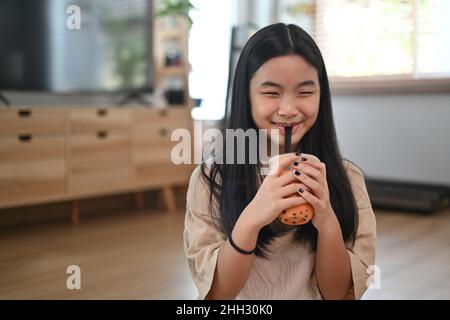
(396, 137)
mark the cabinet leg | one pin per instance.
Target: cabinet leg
(75, 213)
(139, 201)
(169, 199)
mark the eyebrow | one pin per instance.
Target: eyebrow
(269, 83)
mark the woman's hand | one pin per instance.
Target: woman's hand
(272, 196)
(312, 176)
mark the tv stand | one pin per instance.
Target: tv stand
(134, 96)
(4, 99)
(77, 153)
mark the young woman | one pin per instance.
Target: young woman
(232, 250)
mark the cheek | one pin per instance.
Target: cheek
(262, 109)
(312, 111)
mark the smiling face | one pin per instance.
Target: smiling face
(285, 91)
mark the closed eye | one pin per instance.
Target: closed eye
(271, 94)
(305, 93)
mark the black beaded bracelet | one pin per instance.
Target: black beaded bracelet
(234, 245)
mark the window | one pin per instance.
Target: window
(209, 47)
(402, 45)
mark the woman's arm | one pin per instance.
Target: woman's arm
(233, 268)
(333, 268)
(333, 265)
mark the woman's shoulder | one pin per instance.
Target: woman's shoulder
(354, 172)
(352, 168)
(200, 176)
(196, 182)
(195, 175)
(199, 190)
(357, 180)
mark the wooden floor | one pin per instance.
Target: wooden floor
(139, 255)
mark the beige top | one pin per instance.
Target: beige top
(289, 271)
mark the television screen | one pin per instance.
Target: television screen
(76, 45)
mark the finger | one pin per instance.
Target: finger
(309, 197)
(310, 171)
(315, 186)
(308, 157)
(281, 162)
(285, 179)
(313, 163)
(292, 202)
(291, 189)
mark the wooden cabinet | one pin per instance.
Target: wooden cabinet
(52, 154)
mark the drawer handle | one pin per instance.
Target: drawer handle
(102, 134)
(25, 137)
(24, 113)
(102, 112)
(163, 113)
(162, 132)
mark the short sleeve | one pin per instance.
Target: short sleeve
(362, 253)
(202, 239)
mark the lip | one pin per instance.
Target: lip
(281, 125)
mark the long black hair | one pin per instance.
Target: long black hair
(233, 186)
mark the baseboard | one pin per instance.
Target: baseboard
(425, 198)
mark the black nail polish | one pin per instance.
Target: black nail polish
(304, 159)
(300, 190)
(297, 173)
(295, 163)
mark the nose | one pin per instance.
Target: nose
(287, 108)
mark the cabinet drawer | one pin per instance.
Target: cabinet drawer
(158, 125)
(99, 160)
(166, 115)
(31, 167)
(99, 119)
(152, 174)
(153, 164)
(32, 120)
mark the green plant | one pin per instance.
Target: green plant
(175, 7)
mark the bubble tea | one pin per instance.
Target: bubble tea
(304, 212)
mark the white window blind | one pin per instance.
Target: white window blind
(360, 38)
